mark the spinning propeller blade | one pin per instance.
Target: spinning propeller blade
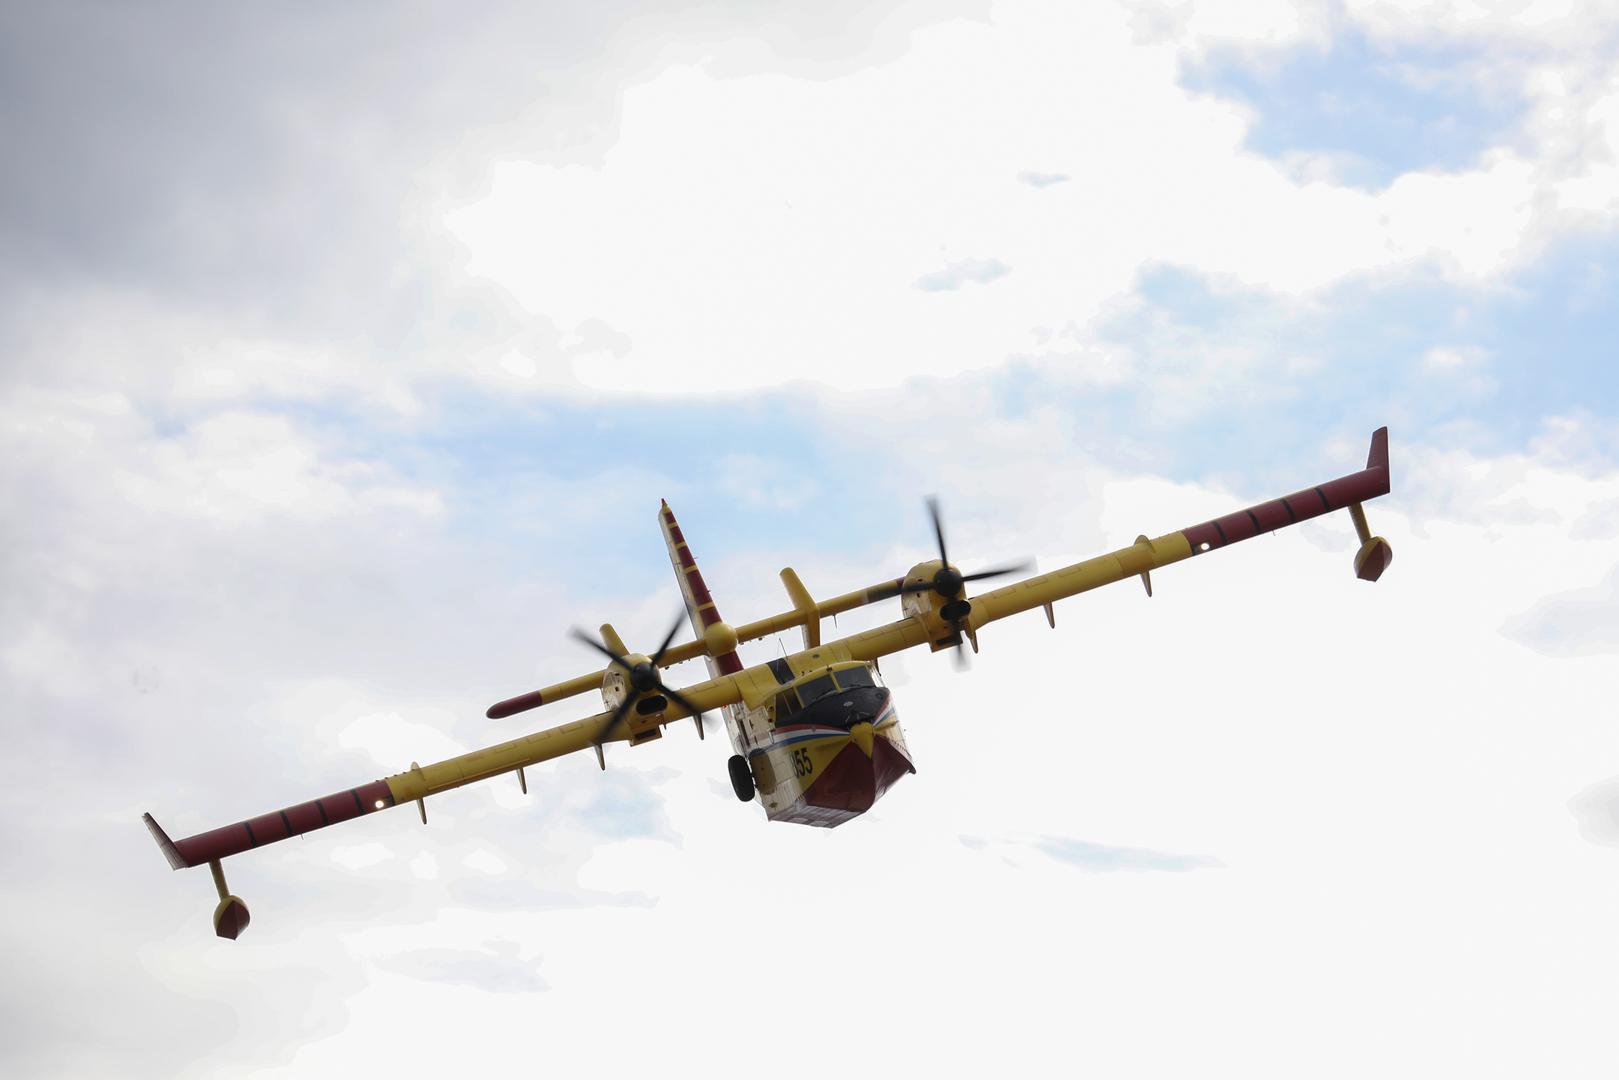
(947, 581)
(643, 679)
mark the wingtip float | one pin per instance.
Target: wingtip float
(815, 735)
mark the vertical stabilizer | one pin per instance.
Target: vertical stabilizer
(699, 603)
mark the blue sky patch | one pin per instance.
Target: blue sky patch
(1376, 112)
(1479, 368)
(1104, 857)
(1228, 384)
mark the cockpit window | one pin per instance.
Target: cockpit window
(816, 689)
(851, 677)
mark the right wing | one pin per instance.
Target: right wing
(421, 781)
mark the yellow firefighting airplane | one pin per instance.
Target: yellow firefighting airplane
(814, 734)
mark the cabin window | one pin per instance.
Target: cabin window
(816, 689)
(853, 677)
(786, 705)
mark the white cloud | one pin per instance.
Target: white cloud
(1597, 810)
(238, 468)
(360, 856)
(1373, 759)
(485, 861)
(755, 228)
(1546, 22)
(1042, 179)
(1453, 357)
(236, 614)
(965, 272)
(1579, 622)
(391, 740)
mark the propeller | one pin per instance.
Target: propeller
(643, 679)
(948, 582)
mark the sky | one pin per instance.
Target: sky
(345, 354)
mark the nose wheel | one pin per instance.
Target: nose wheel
(741, 777)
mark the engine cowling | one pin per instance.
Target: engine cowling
(935, 609)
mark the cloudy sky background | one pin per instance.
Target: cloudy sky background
(346, 356)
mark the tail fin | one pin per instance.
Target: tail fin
(700, 605)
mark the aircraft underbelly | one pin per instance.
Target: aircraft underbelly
(825, 777)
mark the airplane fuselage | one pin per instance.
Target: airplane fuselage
(825, 748)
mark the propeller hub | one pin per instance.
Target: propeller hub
(947, 582)
(644, 677)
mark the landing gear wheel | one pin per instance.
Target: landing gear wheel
(741, 777)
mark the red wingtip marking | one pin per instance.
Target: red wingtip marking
(520, 703)
(1378, 457)
(176, 860)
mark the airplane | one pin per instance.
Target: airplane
(814, 735)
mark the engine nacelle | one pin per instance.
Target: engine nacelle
(924, 602)
(934, 610)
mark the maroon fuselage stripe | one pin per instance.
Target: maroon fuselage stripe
(699, 591)
(702, 601)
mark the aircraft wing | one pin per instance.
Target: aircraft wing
(1146, 555)
(422, 781)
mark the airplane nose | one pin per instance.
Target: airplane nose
(863, 736)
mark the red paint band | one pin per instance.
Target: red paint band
(280, 824)
(1299, 506)
(520, 703)
(699, 590)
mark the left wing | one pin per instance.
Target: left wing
(1147, 555)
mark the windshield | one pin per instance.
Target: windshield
(815, 689)
(838, 698)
